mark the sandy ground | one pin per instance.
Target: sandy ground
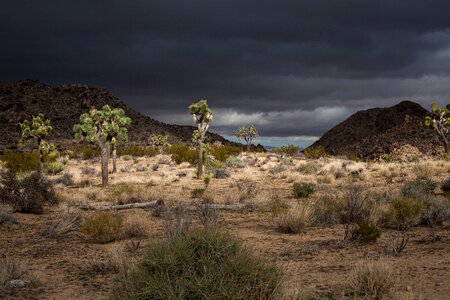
(317, 262)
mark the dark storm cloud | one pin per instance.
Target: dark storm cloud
(292, 67)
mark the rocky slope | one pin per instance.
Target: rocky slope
(374, 132)
(64, 104)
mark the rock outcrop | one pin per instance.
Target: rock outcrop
(374, 132)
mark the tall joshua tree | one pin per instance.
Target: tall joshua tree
(247, 134)
(202, 116)
(440, 121)
(103, 128)
(38, 129)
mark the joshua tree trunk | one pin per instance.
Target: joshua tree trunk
(200, 159)
(104, 160)
(114, 157)
(249, 143)
(41, 156)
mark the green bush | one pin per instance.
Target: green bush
(289, 150)
(28, 195)
(418, 188)
(315, 152)
(103, 227)
(203, 264)
(85, 152)
(366, 233)
(234, 162)
(222, 153)
(311, 167)
(54, 167)
(183, 153)
(303, 189)
(21, 161)
(197, 193)
(403, 213)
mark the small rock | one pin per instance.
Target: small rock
(17, 283)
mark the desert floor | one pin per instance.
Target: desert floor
(316, 262)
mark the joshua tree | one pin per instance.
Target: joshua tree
(247, 134)
(440, 121)
(103, 128)
(202, 116)
(159, 140)
(38, 129)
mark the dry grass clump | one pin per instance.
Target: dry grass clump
(293, 221)
(136, 227)
(7, 216)
(308, 168)
(371, 280)
(65, 223)
(125, 193)
(247, 189)
(207, 213)
(103, 227)
(203, 263)
(11, 269)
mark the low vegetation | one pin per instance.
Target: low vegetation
(103, 227)
(204, 263)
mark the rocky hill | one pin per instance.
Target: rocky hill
(377, 131)
(64, 104)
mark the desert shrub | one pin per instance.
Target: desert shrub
(222, 153)
(103, 227)
(84, 152)
(54, 167)
(311, 167)
(66, 179)
(28, 195)
(403, 213)
(177, 222)
(183, 153)
(418, 188)
(436, 211)
(124, 193)
(88, 171)
(293, 221)
(326, 211)
(21, 161)
(425, 170)
(197, 193)
(11, 269)
(126, 157)
(277, 169)
(137, 151)
(205, 263)
(365, 233)
(135, 228)
(7, 216)
(207, 213)
(247, 189)
(303, 189)
(276, 205)
(234, 162)
(355, 207)
(66, 222)
(445, 186)
(289, 150)
(315, 152)
(371, 280)
(220, 173)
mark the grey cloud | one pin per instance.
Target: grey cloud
(249, 58)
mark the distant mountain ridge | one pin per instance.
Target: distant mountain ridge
(377, 131)
(64, 104)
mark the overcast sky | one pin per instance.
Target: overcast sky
(293, 68)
